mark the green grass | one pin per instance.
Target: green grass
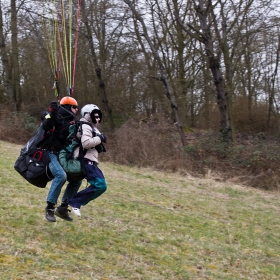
(148, 225)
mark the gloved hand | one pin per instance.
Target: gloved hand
(100, 148)
(53, 107)
(102, 137)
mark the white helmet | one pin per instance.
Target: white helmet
(91, 109)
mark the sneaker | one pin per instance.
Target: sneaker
(77, 212)
(62, 212)
(49, 214)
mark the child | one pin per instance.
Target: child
(91, 140)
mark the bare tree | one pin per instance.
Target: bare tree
(163, 78)
(204, 11)
(231, 42)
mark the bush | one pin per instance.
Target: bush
(17, 127)
(253, 160)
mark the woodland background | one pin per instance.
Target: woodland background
(189, 86)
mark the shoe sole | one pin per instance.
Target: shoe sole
(51, 221)
(78, 215)
(62, 217)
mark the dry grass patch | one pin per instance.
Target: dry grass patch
(148, 225)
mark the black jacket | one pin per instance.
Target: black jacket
(58, 124)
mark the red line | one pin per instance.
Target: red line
(76, 43)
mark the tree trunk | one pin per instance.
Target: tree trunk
(214, 65)
(271, 92)
(5, 62)
(228, 76)
(15, 64)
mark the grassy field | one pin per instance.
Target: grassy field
(148, 225)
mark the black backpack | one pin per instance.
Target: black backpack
(33, 161)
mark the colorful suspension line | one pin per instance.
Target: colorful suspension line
(59, 43)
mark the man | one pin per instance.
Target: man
(58, 121)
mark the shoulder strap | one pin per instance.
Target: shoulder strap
(82, 151)
(81, 124)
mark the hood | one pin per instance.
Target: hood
(87, 118)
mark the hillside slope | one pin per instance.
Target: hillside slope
(148, 225)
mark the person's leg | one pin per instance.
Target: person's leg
(97, 187)
(55, 189)
(71, 189)
(58, 180)
(77, 200)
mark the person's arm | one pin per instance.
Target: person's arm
(88, 140)
(49, 120)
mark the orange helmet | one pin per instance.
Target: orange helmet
(67, 100)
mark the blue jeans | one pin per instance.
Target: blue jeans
(59, 179)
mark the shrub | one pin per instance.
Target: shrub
(17, 127)
(253, 160)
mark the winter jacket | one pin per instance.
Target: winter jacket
(59, 124)
(89, 139)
